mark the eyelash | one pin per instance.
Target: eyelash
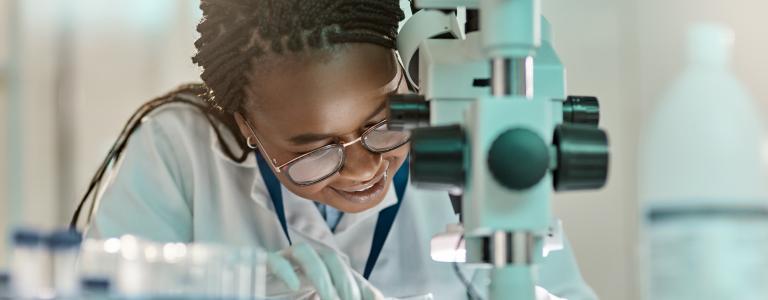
(370, 124)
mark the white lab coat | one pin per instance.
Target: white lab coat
(174, 184)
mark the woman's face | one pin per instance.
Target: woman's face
(296, 105)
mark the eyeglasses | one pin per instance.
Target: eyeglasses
(321, 163)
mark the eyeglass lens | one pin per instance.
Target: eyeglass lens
(323, 162)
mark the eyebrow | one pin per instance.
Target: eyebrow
(308, 138)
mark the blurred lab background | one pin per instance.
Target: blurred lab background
(72, 71)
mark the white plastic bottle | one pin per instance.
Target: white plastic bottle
(701, 183)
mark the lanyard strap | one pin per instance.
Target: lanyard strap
(383, 224)
(273, 187)
(386, 219)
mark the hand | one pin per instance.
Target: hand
(330, 276)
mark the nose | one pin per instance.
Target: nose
(360, 165)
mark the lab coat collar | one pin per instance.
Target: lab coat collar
(304, 218)
(229, 140)
(250, 161)
(349, 220)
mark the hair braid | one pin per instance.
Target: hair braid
(279, 27)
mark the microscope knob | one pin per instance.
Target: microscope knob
(408, 111)
(583, 110)
(518, 159)
(582, 158)
(437, 157)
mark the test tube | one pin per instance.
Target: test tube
(132, 268)
(65, 248)
(95, 288)
(5, 285)
(97, 265)
(30, 271)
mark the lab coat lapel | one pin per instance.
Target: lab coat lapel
(259, 193)
(304, 220)
(354, 234)
(306, 224)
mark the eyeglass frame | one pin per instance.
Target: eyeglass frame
(279, 168)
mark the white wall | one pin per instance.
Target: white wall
(594, 39)
(4, 193)
(661, 41)
(143, 51)
(124, 53)
(148, 53)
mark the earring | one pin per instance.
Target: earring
(250, 143)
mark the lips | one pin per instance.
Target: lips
(366, 192)
(363, 187)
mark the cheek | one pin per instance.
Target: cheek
(399, 154)
(304, 191)
(396, 158)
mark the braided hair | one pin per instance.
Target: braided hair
(235, 33)
(236, 37)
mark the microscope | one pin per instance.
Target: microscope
(492, 125)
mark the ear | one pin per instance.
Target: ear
(243, 125)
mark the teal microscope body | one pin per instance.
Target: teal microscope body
(492, 125)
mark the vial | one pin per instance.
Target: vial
(65, 247)
(30, 269)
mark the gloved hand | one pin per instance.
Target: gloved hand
(542, 294)
(325, 270)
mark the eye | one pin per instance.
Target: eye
(374, 122)
(312, 147)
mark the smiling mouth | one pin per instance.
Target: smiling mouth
(367, 192)
(366, 186)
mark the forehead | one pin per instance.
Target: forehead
(331, 94)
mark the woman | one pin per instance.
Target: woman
(285, 147)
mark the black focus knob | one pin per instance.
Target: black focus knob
(518, 159)
(584, 110)
(408, 111)
(582, 158)
(437, 157)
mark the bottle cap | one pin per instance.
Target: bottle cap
(5, 278)
(95, 284)
(710, 44)
(64, 239)
(27, 237)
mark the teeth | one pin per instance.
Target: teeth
(365, 188)
(370, 185)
